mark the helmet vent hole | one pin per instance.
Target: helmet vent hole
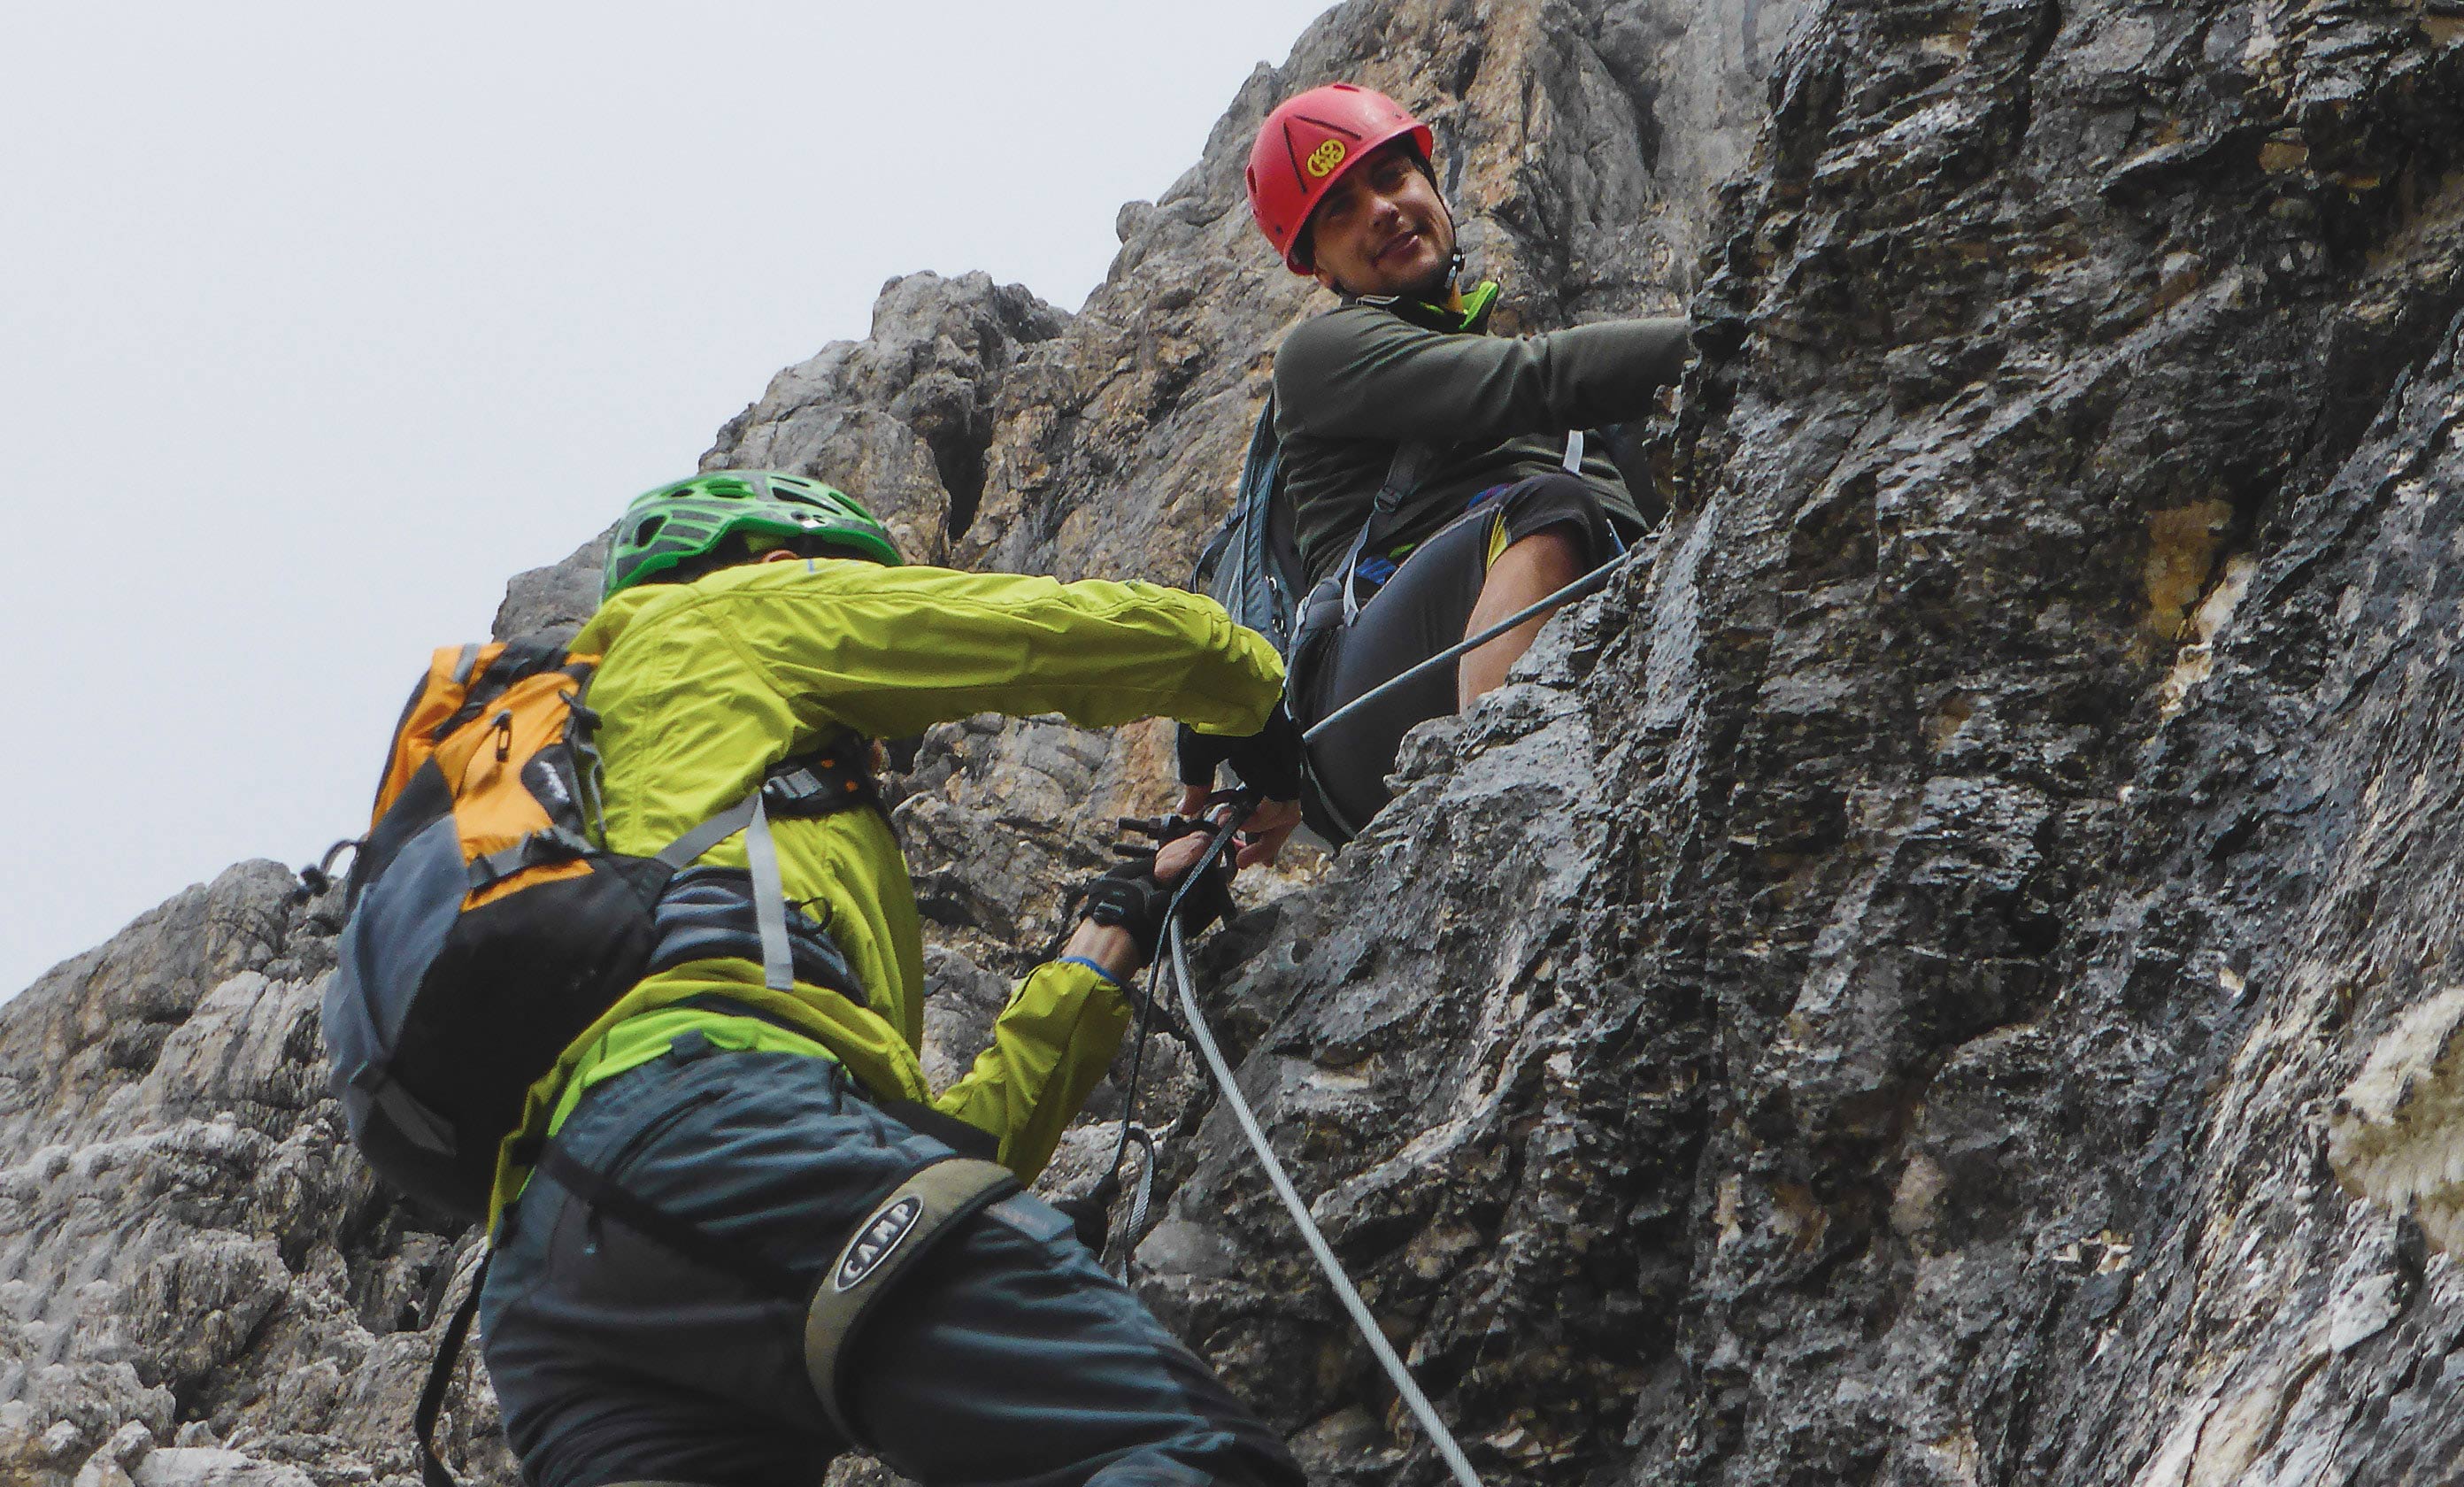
(649, 529)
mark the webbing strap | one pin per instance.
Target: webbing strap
(900, 1230)
(799, 790)
(556, 844)
(1403, 475)
(440, 1378)
(682, 853)
(1410, 466)
(421, 1125)
(769, 900)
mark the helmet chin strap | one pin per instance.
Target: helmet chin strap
(1454, 230)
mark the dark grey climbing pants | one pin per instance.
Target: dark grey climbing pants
(1004, 1355)
(1422, 608)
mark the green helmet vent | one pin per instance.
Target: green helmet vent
(678, 522)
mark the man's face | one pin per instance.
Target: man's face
(1382, 229)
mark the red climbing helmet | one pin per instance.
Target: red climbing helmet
(1308, 143)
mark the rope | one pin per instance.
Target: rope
(1204, 1035)
(1241, 803)
(1108, 1188)
(1427, 1415)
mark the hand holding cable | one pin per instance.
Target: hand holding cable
(1190, 848)
(1137, 894)
(1271, 764)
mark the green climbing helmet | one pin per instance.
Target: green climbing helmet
(681, 522)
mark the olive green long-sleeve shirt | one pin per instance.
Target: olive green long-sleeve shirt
(1356, 382)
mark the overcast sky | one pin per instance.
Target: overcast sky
(321, 321)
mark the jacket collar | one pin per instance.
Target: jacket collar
(1472, 319)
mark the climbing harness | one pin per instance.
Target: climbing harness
(1589, 584)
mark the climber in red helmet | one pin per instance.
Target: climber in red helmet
(1435, 470)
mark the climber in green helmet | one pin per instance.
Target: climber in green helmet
(692, 521)
(1437, 474)
(737, 1232)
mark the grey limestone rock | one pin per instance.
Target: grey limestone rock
(556, 598)
(902, 419)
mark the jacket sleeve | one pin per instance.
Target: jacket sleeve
(1362, 373)
(889, 652)
(1049, 1046)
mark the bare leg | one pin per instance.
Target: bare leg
(1523, 574)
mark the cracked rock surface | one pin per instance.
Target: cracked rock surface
(1943, 974)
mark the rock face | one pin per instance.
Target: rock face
(1944, 974)
(901, 420)
(1888, 1024)
(203, 1281)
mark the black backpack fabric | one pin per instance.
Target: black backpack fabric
(1253, 563)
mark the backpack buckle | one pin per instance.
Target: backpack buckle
(817, 786)
(555, 844)
(785, 790)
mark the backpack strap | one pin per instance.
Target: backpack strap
(1411, 465)
(680, 854)
(769, 890)
(440, 1378)
(423, 1127)
(554, 844)
(769, 897)
(810, 784)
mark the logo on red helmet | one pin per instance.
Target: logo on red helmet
(1323, 159)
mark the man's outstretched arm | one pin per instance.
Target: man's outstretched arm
(1362, 373)
(1058, 1034)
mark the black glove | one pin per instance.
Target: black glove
(1126, 896)
(1269, 759)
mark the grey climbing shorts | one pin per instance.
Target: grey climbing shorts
(1420, 610)
(1002, 1355)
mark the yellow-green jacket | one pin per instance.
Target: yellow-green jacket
(704, 686)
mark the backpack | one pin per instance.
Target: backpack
(1253, 563)
(1252, 567)
(489, 925)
